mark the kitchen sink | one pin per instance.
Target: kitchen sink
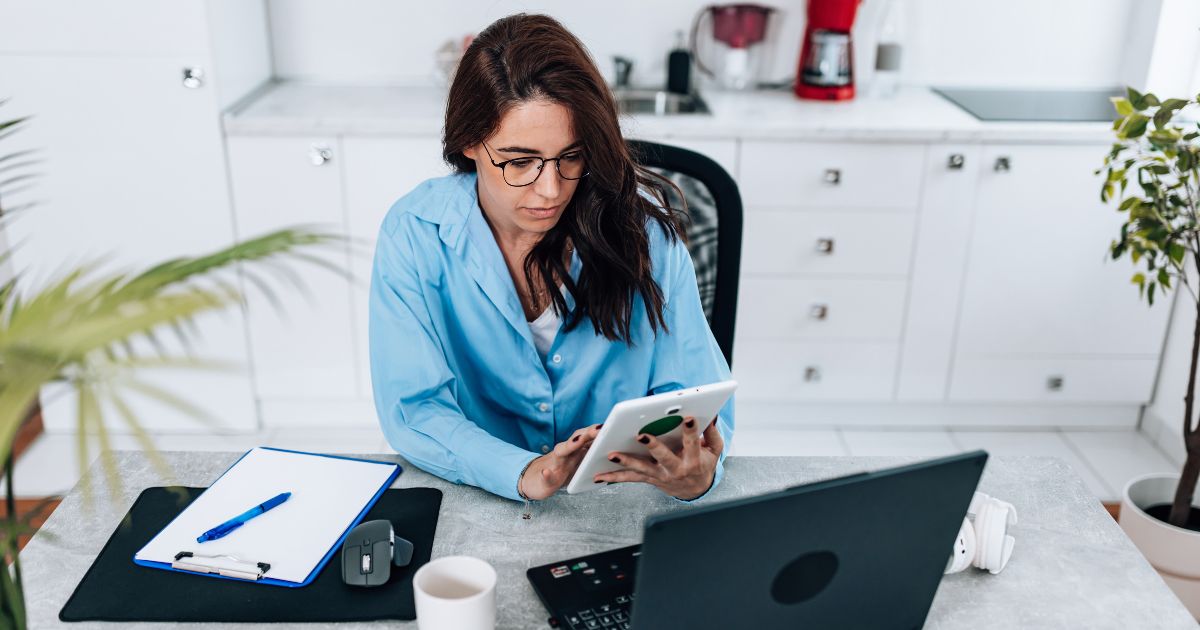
(658, 102)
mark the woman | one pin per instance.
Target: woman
(514, 302)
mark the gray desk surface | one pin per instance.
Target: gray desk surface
(1072, 567)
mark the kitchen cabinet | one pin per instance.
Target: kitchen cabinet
(826, 262)
(804, 371)
(134, 169)
(378, 172)
(301, 338)
(831, 175)
(949, 176)
(1039, 285)
(948, 279)
(820, 309)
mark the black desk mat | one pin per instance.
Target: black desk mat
(116, 589)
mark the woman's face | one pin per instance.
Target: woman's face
(535, 128)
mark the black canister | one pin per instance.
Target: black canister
(679, 67)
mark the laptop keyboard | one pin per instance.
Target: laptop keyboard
(592, 592)
(613, 614)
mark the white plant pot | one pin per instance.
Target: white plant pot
(1173, 551)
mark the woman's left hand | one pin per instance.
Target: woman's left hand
(686, 474)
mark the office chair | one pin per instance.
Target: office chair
(714, 230)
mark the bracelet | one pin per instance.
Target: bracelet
(522, 494)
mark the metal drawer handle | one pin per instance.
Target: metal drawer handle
(1054, 383)
(819, 311)
(833, 176)
(193, 77)
(825, 246)
(1003, 164)
(812, 374)
(319, 154)
(956, 161)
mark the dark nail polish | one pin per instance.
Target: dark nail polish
(689, 423)
(575, 439)
(645, 439)
(599, 481)
(614, 459)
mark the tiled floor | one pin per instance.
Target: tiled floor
(1104, 459)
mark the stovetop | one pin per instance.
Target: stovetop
(1023, 105)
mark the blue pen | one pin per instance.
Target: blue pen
(228, 526)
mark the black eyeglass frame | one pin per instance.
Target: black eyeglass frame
(541, 167)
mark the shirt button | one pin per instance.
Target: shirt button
(556, 358)
(545, 448)
(543, 407)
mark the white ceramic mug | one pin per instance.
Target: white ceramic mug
(455, 593)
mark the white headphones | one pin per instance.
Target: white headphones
(983, 541)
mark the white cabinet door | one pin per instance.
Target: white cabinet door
(943, 232)
(303, 347)
(133, 174)
(379, 171)
(1039, 280)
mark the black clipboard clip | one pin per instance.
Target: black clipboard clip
(227, 566)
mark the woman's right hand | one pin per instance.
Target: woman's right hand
(546, 474)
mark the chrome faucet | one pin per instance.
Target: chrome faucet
(624, 66)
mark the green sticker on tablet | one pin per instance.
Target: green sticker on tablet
(662, 425)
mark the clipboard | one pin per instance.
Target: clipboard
(286, 546)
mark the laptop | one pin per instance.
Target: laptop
(863, 551)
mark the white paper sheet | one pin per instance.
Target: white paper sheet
(327, 494)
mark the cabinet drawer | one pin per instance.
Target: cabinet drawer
(878, 243)
(801, 308)
(827, 174)
(1046, 380)
(796, 370)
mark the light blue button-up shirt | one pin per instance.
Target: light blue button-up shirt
(461, 391)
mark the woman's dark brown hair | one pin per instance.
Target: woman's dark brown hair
(524, 58)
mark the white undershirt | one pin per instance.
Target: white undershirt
(544, 329)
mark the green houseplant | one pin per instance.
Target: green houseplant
(83, 330)
(1152, 172)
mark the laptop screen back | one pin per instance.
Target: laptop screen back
(865, 551)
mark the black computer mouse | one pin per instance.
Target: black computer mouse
(369, 552)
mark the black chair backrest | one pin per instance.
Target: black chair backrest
(714, 232)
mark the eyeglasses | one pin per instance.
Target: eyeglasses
(523, 171)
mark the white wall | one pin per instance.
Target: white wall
(1174, 65)
(962, 42)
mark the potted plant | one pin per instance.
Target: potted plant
(78, 330)
(1153, 172)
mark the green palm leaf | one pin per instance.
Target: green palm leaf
(81, 330)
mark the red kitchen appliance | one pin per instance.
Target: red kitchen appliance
(826, 70)
(738, 35)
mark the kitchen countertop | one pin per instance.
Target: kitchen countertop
(914, 115)
(1072, 566)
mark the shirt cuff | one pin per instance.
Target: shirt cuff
(501, 471)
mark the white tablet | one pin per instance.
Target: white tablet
(660, 415)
